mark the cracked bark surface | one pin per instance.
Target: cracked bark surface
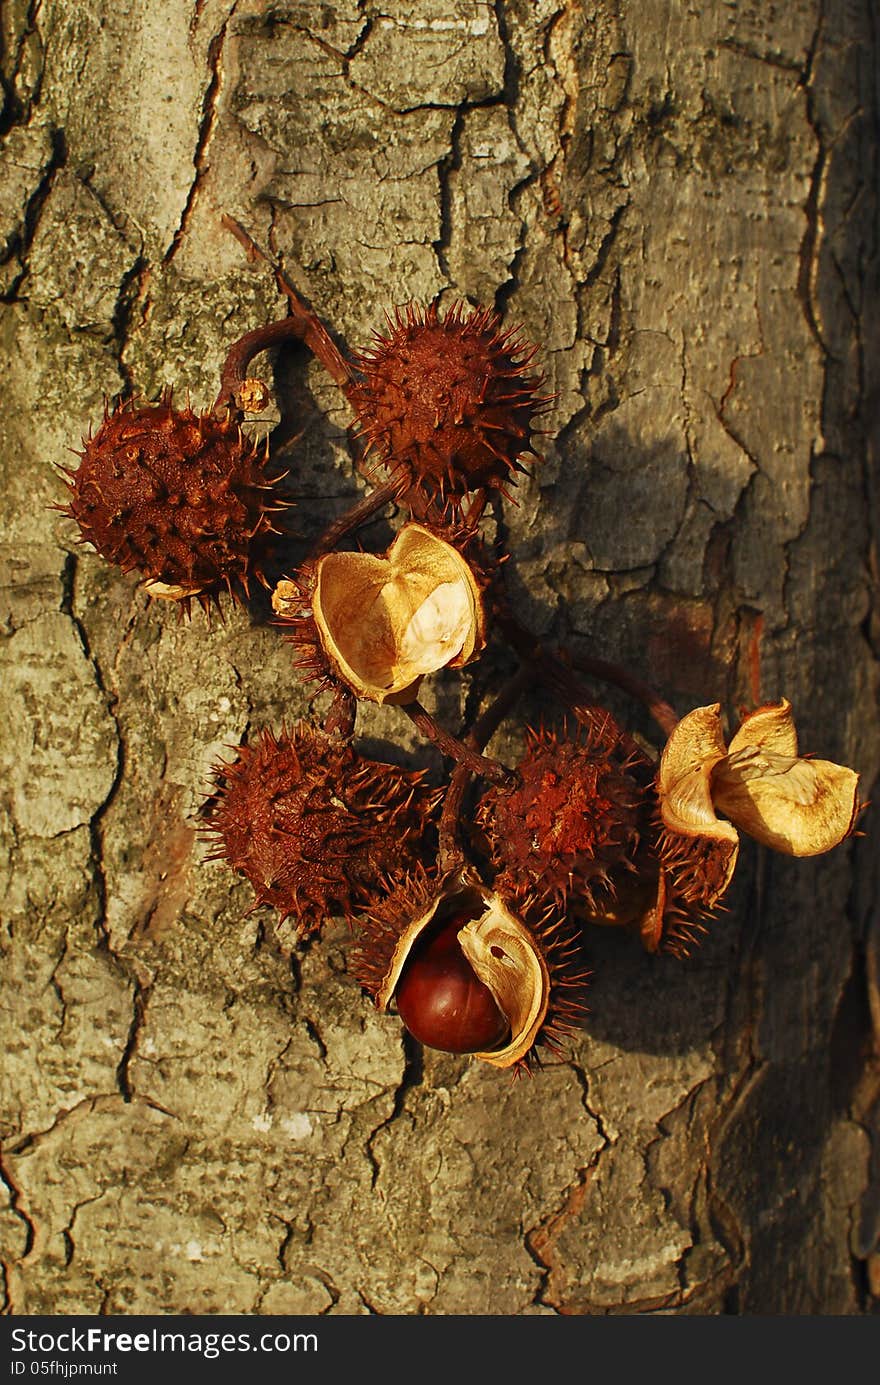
(682, 209)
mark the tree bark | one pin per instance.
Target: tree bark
(680, 207)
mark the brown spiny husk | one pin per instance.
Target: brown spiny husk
(570, 823)
(417, 904)
(449, 402)
(694, 875)
(292, 603)
(700, 868)
(675, 891)
(315, 826)
(182, 498)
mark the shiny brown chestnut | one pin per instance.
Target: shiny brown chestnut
(442, 1001)
(531, 971)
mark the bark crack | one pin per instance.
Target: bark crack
(207, 126)
(541, 1240)
(17, 111)
(132, 290)
(19, 244)
(412, 1078)
(56, 984)
(140, 1000)
(67, 1231)
(131, 972)
(18, 1207)
(744, 50)
(345, 56)
(808, 253)
(511, 95)
(446, 168)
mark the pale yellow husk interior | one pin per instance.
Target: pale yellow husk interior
(386, 622)
(796, 805)
(170, 591)
(695, 746)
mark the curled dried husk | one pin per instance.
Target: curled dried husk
(287, 599)
(759, 782)
(693, 877)
(386, 622)
(684, 778)
(675, 889)
(800, 806)
(252, 395)
(529, 967)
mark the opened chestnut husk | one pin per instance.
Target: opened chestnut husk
(386, 622)
(470, 971)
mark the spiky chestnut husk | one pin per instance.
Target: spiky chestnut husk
(449, 402)
(693, 877)
(313, 825)
(400, 933)
(569, 824)
(182, 498)
(675, 892)
(293, 601)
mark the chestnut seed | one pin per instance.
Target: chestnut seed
(443, 1003)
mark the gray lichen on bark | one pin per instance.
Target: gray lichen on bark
(680, 206)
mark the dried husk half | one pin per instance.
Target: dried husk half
(386, 622)
(684, 778)
(794, 804)
(800, 806)
(503, 955)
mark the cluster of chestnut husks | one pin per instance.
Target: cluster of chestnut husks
(473, 932)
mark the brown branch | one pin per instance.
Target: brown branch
(665, 716)
(306, 324)
(455, 749)
(561, 680)
(359, 513)
(341, 717)
(233, 372)
(450, 853)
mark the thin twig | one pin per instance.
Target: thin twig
(359, 513)
(342, 714)
(474, 512)
(308, 326)
(665, 716)
(568, 688)
(233, 372)
(450, 852)
(455, 749)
